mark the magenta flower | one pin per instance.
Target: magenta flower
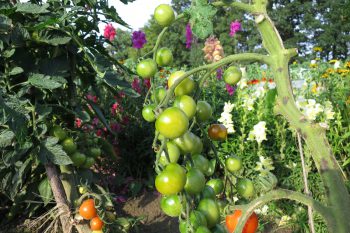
(189, 36)
(219, 74)
(147, 83)
(235, 27)
(230, 89)
(136, 85)
(109, 32)
(78, 122)
(138, 39)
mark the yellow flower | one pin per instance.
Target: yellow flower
(318, 49)
(313, 65)
(332, 61)
(347, 64)
(295, 62)
(348, 101)
(330, 71)
(325, 75)
(318, 59)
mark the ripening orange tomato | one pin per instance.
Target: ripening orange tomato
(96, 224)
(87, 209)
(217, 132)
(250, 226)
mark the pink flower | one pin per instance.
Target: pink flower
(109, 32)
(78, 122)
(136, 85)
(147, 83)
(219, 74)
(99, 132)
(116, 127)
(235, 27)
(93, 98)
(230, 89)
(189, 36)
(95, 121)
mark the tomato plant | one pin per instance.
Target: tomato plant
(172, 123)
(233, 219)
(96, 224)
(171, 205)
(78, 159)
(146, 68)
(185, 87)
(197, 219)
(164, 57)
(69, 146)
(87, 209)
(164, 15)
(58, 132)
(217, 132)
(171, 180)
(173, 153)
(159, 94)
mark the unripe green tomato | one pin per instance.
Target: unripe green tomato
(78, 159)
(217, 185)
(159, 94)
(164, 57)
(183, 226)
(88, 162)
(232, 75)
(198, 148)
(172, 123)
(245, 188)
(204, 111)
(58, 132)
(69, 146)
(195, 181)
(164, 15)
(186, 142)
(197, 219)
(171, 180)
(171, 205)
(185, 87)
(211, 168)
(146, 68)
(201, 163)
(211, 211)
(233, 164)
(94, 152)
(208, 192)
(202, 229)
(219, 229)
(186, 104)
(148, 113)
(173, 153)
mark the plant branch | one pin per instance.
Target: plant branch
(238, 5)
(279, 194)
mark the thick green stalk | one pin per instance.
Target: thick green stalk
(338, 198)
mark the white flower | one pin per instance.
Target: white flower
(313, 62)
(324, 125)
(264, 165)
(336, 64)
(226, 117)
(248, 102)
(259, 92)
(258, 133)
(328, 110)
(263, 210)
(271, 85)
(284, 220)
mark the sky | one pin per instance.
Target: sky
(136, 13)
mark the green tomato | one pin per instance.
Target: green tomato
(185, 87)
(186, 142)
(58, 132)
(89, 162)
(78, 159)
(186, 104)
(204, 111)
(245, 188)
(173, 152)
(148, 113)
(171, 180)
(159, 94)
(217, 185)
(171, 205)
(211, 167)
(164, 15)
(183, 226)
(172, 123)
(69, 146)
(202, 229)
(233, 164)
(201, 163)
(211, 211)
(208, 192)
(219, 229)
(222, 203)
(198, 148)
(232, 75)
(146, 68)
(197, 219)
(94, 152)
(164, 57)
(195, 181)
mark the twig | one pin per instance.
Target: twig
(306, 186)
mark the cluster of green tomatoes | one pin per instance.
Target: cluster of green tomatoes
(184, 172)
(82, 151)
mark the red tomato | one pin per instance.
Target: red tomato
(96, 224)
(250, 226)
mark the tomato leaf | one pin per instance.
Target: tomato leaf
(45, 190)
(46, 82)
(50, 151)
(32, 8)
(202, 18)
(6, 137)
